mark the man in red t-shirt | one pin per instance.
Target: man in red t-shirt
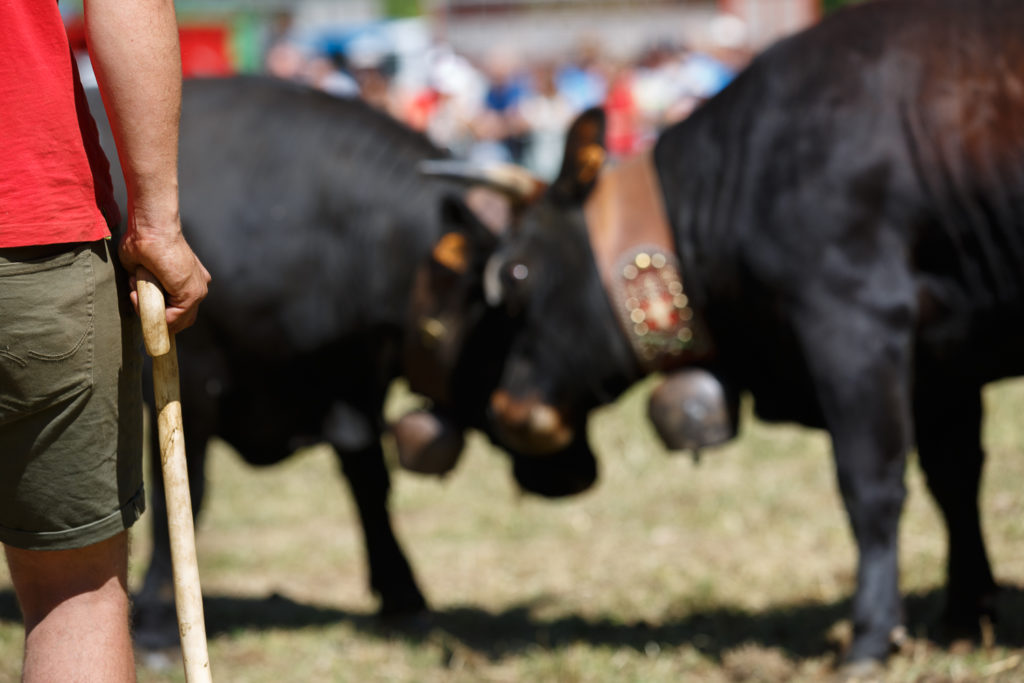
(70, 419)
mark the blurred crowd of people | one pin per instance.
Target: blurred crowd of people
(505, 106)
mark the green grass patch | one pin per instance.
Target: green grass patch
(738, 567)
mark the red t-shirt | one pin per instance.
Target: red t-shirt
(54, 180)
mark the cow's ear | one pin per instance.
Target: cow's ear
(584, 156)
(464, 235)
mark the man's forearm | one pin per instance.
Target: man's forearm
(135, 53)
(137, 59)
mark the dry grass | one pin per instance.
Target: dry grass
(738, 568)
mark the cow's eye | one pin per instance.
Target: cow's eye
(502, 279)
(514, 284)
(514, 278)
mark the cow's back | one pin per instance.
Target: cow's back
(311, 215)
(307, 208)
(900, 153)
(904, 144)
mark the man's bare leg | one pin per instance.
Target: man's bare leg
(75, 607)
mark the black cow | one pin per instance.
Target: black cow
(848, 221)
(311, 215)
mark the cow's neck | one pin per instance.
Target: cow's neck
(637, 260)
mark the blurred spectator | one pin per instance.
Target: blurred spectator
(323, 73)
(730, 41)
(499, 126)
(547, 113)
(671, 84)
(582, 78)
(374, 86)
(371, 63)
(508, 109)
(622, 134)
(285, 60)
(372, 68)
(450, 101)
(512, 111)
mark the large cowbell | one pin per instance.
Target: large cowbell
(691, 410)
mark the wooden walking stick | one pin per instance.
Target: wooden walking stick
(167, 394)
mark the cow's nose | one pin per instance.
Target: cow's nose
(529, 425)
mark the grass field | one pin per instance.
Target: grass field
(735, 568)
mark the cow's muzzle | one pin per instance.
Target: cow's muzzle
(529, 425)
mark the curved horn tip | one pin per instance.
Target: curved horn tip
(511, 179)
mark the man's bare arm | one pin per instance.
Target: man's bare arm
(135, 54)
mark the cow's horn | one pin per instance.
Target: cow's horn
(510, 179)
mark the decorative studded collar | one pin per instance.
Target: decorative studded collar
(635, 254)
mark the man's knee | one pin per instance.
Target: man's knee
(44, 579)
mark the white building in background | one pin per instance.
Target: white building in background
(552, 28)
(535, 28)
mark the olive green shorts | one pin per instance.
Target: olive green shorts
(70, 398)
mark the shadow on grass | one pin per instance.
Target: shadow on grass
(800, 630)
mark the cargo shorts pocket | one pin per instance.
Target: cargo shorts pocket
(46, 329)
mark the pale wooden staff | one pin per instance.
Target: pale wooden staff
(188, 597)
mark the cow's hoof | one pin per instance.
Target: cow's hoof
(863, 658)
(401, 606)
(969, 619)
(409, 618)
(409, 623)
(963, 633)
(155, 627)
(861, 671)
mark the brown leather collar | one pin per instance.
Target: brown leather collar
(636, 257)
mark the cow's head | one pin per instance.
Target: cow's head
(563, 353)
(565, 342)
(443, 357)
(456, 343)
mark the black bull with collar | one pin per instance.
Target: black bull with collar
(848, 219)
(312, 217)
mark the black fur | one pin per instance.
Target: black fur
(849, 215)
(313, 219)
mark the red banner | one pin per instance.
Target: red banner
(206, 50)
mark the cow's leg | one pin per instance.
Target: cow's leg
(155, 620)
(860, 364)
(391, 577)
(948, 420)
